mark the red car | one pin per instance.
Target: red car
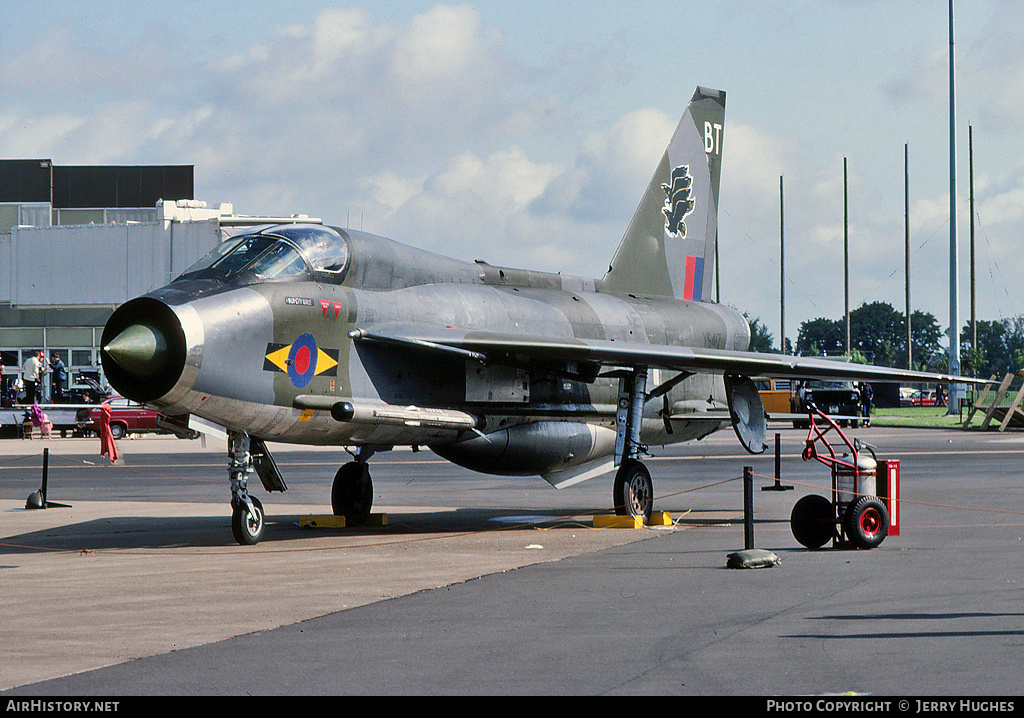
(126, 417)
(919, 398)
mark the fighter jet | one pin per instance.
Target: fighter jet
(319, 335)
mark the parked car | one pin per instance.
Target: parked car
(839, 398)
(918, 398)
(85, 390)
(126, 417)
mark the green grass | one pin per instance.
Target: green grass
(928, 417)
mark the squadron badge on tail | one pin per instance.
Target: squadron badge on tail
(678, 203)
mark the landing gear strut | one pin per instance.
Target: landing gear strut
(247, 518)
(633, 491)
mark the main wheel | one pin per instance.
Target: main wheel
(812, 521)
(352, 493)
(633, 492)
(247, 528)
(866, 522)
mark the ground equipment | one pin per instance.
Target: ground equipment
(862, 511)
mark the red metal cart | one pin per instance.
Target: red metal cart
(863, 510)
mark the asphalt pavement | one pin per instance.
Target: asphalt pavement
(481, 585)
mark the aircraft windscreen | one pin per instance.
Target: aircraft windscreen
(280, 260)
(213, 256)
(324, 248)
(280, 252)
(264, 256)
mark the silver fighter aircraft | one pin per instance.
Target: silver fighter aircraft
(309, 334)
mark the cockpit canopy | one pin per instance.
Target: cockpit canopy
(307, 251)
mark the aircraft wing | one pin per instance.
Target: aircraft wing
(492, 346)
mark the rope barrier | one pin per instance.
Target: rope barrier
(907, 501)
(571, 519)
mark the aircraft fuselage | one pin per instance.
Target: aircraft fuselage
(272, 357)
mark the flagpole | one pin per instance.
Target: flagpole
(954, 286)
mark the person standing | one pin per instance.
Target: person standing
(867, 394)
(58, 379)
(42, 387)
(30, 375)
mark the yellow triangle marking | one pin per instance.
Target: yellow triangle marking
(279, 358)
(324, 361)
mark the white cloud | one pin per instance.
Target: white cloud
(468, 130)
(442, 51)
(473, 201)
(389, 190)
(612, 169)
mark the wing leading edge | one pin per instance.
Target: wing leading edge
(493, 346)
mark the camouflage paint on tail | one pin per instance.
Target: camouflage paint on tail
(669, 247)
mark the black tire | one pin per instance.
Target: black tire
(352, 493)
(866, 522)
(633, 492)
(812, 521)
(118, 430)
(248, 530)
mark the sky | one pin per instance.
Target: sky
(525, 133)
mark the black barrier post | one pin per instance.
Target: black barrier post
(748, 507)
(46, 472)
(37, 499)
(777, 486)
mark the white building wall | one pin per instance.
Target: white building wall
(100, 265)
(6, 268)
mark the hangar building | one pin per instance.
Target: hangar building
(78, 241)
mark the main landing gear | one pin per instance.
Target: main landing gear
(352, 491)
(633, 490)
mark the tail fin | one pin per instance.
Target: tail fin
(669, 247)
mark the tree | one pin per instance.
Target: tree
(876, 329)
(820, 336)
(1015, 341)
(992, 356)
(761, 339)
(925, 337)
(856, 357)
(878, 333)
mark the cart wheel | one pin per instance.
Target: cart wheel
(812, 521)
(867, 522)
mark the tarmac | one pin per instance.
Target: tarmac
(500, 586)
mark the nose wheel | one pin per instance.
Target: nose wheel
(247, 522)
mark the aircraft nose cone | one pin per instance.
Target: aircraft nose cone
(140, 350)
(144, 349)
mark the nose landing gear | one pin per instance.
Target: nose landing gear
(247, 517)
(249, 455)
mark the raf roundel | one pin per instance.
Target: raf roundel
(302, 360)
